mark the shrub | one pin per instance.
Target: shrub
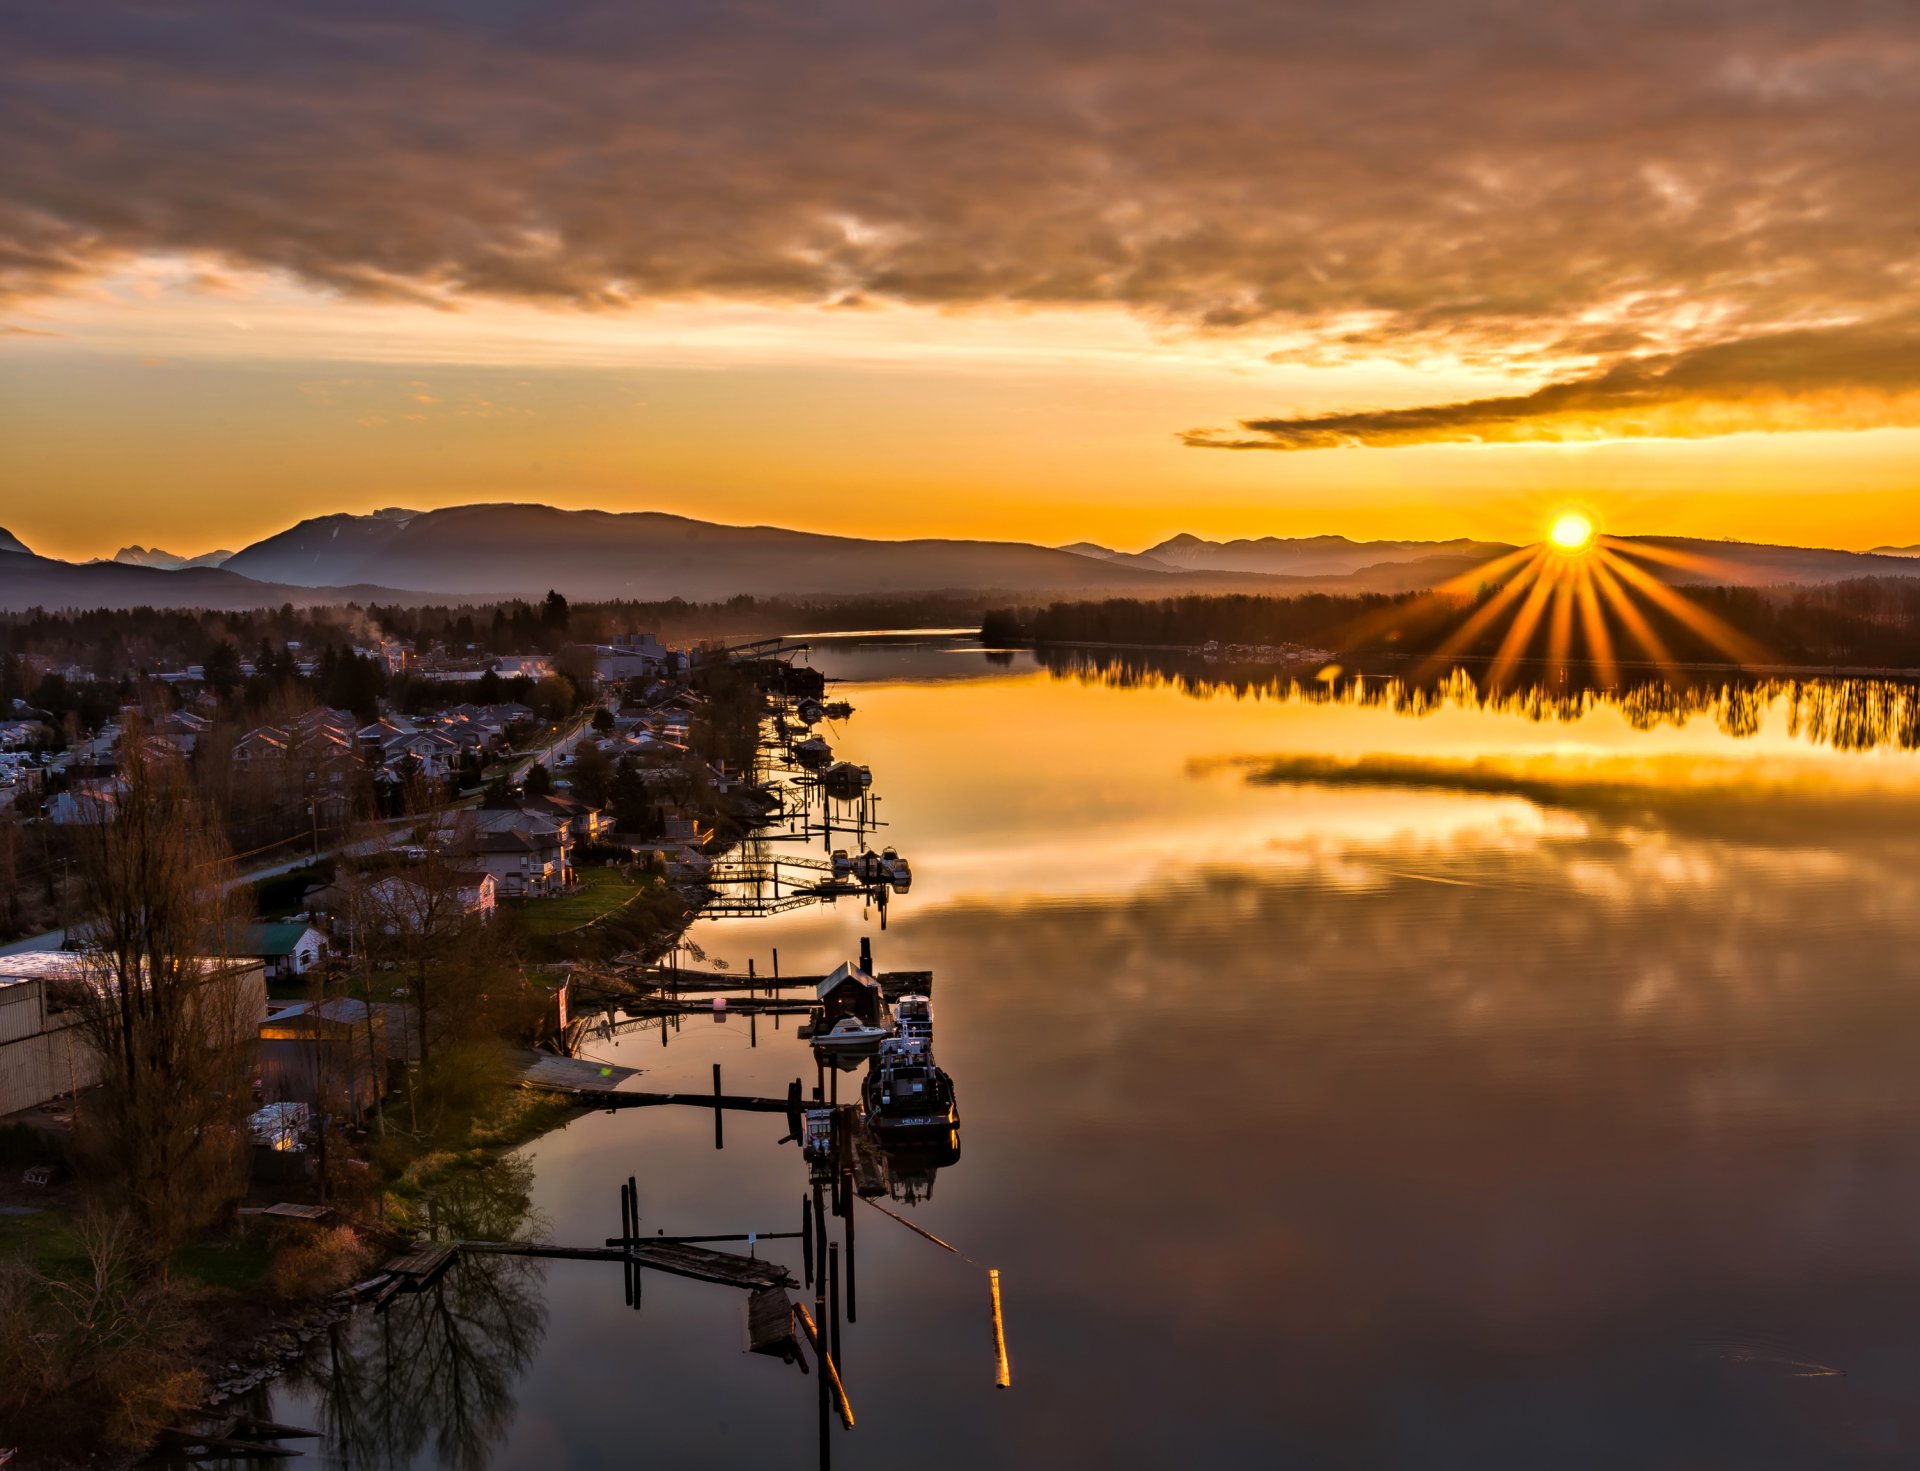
(324, 1262)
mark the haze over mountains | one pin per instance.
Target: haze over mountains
(482, 552)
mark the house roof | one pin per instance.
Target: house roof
(846, 971)
(275, 940)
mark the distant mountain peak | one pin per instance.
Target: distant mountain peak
(139, 556)
(11, 543)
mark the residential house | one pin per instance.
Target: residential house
(529, 854)
(287, 950)
(182, 730)
(414, 901)
(587, 823)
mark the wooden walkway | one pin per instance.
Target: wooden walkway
(413, 1270)
(893, 983)
(606, 1098)
(677, 1259)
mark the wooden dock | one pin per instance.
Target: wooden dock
(678, 1259)
(893, 983)
(413, 1270)
(607, 1098)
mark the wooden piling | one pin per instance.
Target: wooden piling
(806, 1240)
(822, 1349)
(719, 1114)
(833, 1300)
(848, 1187)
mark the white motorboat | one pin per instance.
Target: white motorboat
(850, 1034)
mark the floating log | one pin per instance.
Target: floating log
(1002, 1374)
(841, 1401)
(250, 1429)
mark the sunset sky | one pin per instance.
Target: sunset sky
(1047, 270)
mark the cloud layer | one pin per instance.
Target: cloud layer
(1865, 377)
(1507, 181)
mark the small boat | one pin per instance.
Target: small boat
(905, 1095)
(913, 1019)
(894, 869)
(837, 709)
(850, 1034)
(812, 752)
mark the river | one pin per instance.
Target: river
(1348, 1079)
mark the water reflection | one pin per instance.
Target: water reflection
(433, 1377)
(1846, 714)
(1528, 1084)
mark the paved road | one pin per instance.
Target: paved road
(54, 939)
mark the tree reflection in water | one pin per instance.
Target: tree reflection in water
(1859, 714)
(433, 1377)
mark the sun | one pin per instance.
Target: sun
(1571, 532)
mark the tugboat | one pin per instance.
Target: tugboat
(907, 1097)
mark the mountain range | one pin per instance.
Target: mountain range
(483, 552)
(137, 556)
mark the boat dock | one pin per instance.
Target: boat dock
(676, 1258)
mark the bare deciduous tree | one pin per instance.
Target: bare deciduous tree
(169, 1015)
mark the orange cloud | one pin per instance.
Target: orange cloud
(1865, 377)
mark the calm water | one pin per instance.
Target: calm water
(1341, 1087)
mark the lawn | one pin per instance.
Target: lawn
(599, 892)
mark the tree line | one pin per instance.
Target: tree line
(1870, 622)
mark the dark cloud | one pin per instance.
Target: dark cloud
(1855, 378)
(1503, 178)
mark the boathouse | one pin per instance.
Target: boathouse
(849, 991)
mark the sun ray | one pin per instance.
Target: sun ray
(1669, 557)
(1594, 622)
(1520, 631)
(1710, 626)
(1622, 607)
(1560, 620)
(1442, 596)
(1473, 627)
